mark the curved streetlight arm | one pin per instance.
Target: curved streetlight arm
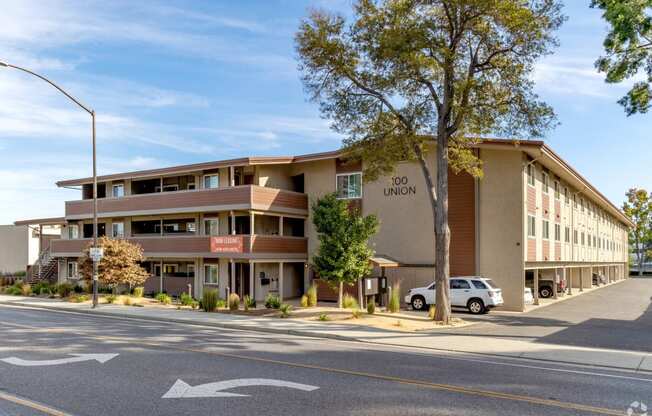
(73, 99)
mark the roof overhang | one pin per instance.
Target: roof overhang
(384, 261)
(42, 221)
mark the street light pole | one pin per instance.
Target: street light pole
(92, 114)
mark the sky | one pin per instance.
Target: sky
(183, 82)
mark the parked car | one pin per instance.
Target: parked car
(545, 285)
(477, 294)
(599, 279)
(528, 298)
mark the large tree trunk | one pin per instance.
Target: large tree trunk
(442, 235)
(340, 294)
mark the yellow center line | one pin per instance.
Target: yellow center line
(33, 405)
(418, 383)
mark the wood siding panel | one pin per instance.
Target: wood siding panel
(276, 244)
(545, 201)
(531, 249)
(277, 198)
(557, 251)
(531, 199)
(546, 250)
(461, 220)
(557, 211)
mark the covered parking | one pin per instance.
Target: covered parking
(571, 277)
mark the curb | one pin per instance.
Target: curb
(309, 334)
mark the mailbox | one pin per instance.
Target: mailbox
(370, 286)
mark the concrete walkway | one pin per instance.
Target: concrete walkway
(440, 340)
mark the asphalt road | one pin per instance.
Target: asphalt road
(616, 317)
(352, 378)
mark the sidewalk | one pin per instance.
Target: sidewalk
(438, 340)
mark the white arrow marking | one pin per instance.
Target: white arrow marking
(77, 358)
(183, 390)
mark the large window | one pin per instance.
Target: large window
(557, 232)
(73, 231)
(72, 270)
(557, 193)
(118, 190)
(530, 174)
(544, 183)
(211, 181)
(531, 226)
(546, 229)
(211, 274)
(211, 226)
(567, 235)
(118, 230)
(349, 185)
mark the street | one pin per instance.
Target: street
(334, 377)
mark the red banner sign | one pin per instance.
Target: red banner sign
(227, 244)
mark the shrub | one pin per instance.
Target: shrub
(395, 300)
(25, 289)
(163, 298)
(64, 289)
(249, 302)
(356, 313)
(312, 295)
(285, 310)
(45, 291)
(272, 301)
(349, 302)
(194, 304)
(126, 301)
(80, 289)
(234, 302)
(304, 301)
(139, 291)
(209, 300)
(79, 298)
(185, 299)
(221, 303)
(371, 306)
(42, 288)
(13, 290)
(111, 298)
(323, 317)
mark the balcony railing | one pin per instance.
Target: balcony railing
(219, 199)
(237, 246)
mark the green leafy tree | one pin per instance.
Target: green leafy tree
(628, 49)
(119, 265)
(638, 207)
(409, 77)
(344, 254)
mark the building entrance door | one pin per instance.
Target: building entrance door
(242, 280)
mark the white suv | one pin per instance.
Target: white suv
(477, 294)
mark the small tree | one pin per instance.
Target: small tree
(628, 48)
(119, 265)
(343, 255)
(638, 208)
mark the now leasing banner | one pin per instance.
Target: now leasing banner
(227, 244)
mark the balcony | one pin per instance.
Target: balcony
(231, 246)
(219, 199)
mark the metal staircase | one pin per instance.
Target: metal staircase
(46, 268)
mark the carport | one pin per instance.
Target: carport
(574, 275)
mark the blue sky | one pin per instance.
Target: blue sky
(180, 82)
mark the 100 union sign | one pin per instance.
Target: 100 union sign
(400, 186)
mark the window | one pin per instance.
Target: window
(349, 185)
(72, 269)
(583, 239)
(531, 226)
(544, 183)
(566, 195)
(582, 204)
(211, 274)
(546, 229)
(118, 190)
(211, 181)
(595, 241)
(557, 190)
(118, 230)
(530, 174)
(575, 237)
(73, 231)
(460, 284)
(557, 232)
(575, 201)
(211, 226)
(478, 284)
(567, 235)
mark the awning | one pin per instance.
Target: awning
(384, 261)
(42, 221)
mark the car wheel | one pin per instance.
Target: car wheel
(418, 303)
(545, 292)
(476, 306)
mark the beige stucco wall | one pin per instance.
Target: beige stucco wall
(274, 176)
(500, 214)
(15, 242)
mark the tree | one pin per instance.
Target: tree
(638, 208)
(628, 48)
(344, 254)
(408, 77)
(119, 265)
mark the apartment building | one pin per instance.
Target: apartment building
(20, 244)
(245, 223)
